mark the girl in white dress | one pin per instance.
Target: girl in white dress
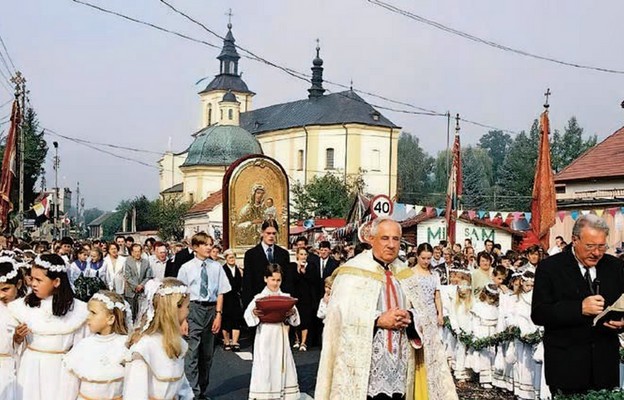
(503, 369)
(155, 361)
(49, 321)
(485, 318)
(97, 361)
(273, 373)
(526, 376)
(11, 288)
(460, 319)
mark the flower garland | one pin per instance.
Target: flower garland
(510, 334)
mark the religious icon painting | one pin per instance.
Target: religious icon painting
(255, 190)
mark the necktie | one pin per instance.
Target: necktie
(588, 279)
(203, 291)
(322, 267)
(270, 254)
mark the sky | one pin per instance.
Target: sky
(100, 78)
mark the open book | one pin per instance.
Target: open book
(614, 312)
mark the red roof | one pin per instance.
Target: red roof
(604, 160)
(208, 204)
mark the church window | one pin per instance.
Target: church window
(329, 158)
(230, 114)
(376, 160)
(300, 160)
(209, 112)
(221, 115)
(232, 66)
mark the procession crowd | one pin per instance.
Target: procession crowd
(98, 320)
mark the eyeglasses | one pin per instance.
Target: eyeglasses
(599, 247)
(270, 233)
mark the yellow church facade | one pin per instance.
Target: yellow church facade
(339, 133)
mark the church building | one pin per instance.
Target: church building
(339, 133)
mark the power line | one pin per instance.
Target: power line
(6, 103)
(250, 55)
(486, 42)
(83, 141)
(7, 53)
(101, 150)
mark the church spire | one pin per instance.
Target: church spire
(317, 75)
(229, 56)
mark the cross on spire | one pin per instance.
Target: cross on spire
(229, 15)
(547, 94)
(457, 128)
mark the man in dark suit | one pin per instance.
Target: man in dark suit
(571, 288)
(256, 260)
(179, 259)
(324, 267)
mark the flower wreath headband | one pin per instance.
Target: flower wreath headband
(111, 305)
(152, 288)
(13, 273)
(49, 266)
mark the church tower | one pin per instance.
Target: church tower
(228, 80)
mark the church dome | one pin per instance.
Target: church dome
(221, 145)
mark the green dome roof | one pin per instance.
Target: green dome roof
(221, 145)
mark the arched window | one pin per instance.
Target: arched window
(329, 158)
(230, 114)
(209, 114)
(300, 160)
(232, 68)
(221, 114)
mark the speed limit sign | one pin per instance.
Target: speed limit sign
(381, 206)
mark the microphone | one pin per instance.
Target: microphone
(596, 286)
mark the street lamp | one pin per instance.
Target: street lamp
(56, 189)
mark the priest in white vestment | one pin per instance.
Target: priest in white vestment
(371, 328)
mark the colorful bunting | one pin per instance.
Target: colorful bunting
(516, 215)
(612, 211)
(481, 214)
(574, 214)
(493, 214)
(472, 214)
(439, 211)
(428, 209)
(504, 215)
(528, 216)
(599, 212)
(585, 212)
(561, 215)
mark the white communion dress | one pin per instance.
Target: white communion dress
(97, 362)
(151, 375)
(8, 356)
(40, 375)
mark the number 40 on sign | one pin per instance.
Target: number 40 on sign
(381, 206)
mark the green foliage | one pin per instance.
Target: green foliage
(169, 215)
(496, 143)
(615, 394)
(145, 216)
(477, 178)
(326, 196)
(510, 334)
(414, 169)
(516, 175)
(569, 146)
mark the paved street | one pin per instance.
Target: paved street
(231, 372)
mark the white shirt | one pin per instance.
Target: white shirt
(582, 268)
(265, 247)
(158, 267)
(190, 275)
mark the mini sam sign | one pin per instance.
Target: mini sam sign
(255, 189)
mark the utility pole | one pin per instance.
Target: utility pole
(77, 221)
(20, 95)
(56, 190)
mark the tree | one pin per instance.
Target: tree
(145, 216)
(497, 144)
(477, 178)
(414, 169)
(326, 196)
(169, 215)
(515, 180)
(569, 146)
